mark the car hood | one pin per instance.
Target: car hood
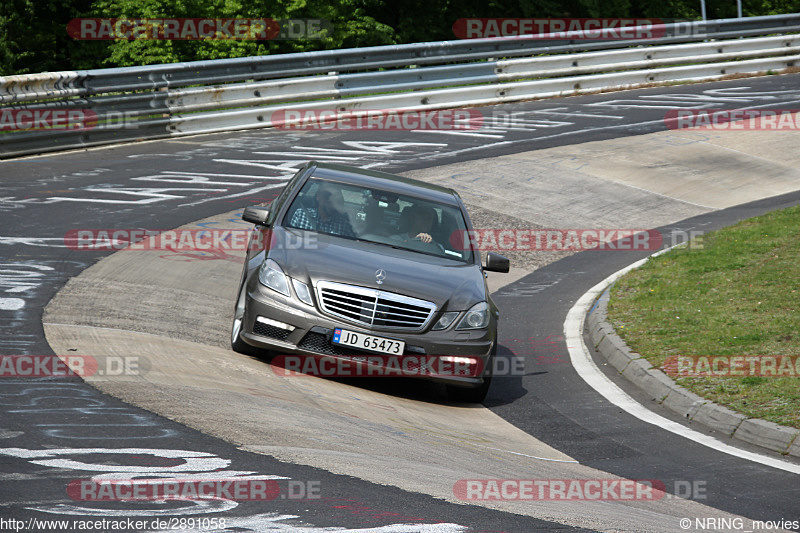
(447, 283)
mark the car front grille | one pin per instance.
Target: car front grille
(374, 308)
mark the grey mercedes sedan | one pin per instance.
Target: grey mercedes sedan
(369, 270)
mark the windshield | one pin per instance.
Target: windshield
(379, 216)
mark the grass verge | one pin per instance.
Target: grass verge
(736, 293)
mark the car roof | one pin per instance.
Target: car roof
(384, 180)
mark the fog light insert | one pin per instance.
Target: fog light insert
(463, 366)
(275, 323)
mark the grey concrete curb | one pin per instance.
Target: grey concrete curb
(661, 389)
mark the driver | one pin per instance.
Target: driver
(419, 223)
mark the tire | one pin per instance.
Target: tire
(237, 344)
(474, 394)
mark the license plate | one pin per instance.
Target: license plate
(371, 343)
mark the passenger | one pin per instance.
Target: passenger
(327, 216)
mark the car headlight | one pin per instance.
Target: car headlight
(301, 290)
(446, 320)
(476, 318)
(270, 275)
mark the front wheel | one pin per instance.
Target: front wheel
(237, 344)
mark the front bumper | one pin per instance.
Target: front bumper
(286, 326)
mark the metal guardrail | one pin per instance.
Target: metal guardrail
(167, 100)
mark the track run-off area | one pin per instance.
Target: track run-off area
(381, 454)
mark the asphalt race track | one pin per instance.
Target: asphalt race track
(362, 454)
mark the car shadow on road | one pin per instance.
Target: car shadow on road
(509, 370)
(505, 388)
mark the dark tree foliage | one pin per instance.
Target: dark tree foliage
(33, 33)
(33, 36)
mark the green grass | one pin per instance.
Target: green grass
(736, 294)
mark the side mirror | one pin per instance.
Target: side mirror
(256, 215)
(496, 263)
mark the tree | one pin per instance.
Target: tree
(33, 36)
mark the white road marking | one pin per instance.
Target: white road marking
(235, 195)
(532, 456)
(149, 194)
(192, 461)
(11, 304)
(560, 111)
(219, 175)
(591, 374)
(276, 523)
(59, 242)
(459, 133)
